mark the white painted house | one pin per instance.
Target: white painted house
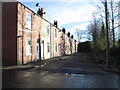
(45, 39)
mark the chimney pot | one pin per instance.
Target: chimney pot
(41, 12)
(55, 23)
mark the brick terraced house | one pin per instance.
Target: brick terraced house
(27, 36)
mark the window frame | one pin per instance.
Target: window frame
(48, 30)
(56, 47)
(28, 21)
(28, 46)
(55, 32)
(48, 47)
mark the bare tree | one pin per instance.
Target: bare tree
(113, 15)
(80, 34)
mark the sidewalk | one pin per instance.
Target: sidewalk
(35, 63)
(112, 69)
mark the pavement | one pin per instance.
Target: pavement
(34, 64)
(111, 68)
(41, 63)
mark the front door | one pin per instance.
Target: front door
(38, 48)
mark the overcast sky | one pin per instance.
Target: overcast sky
(70, 14)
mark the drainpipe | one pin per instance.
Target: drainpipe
(22, 48)
(22, 40)
(43, 48)
(50, 43)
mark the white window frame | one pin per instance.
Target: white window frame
(28, 47)
(56, 49)
(48, 30)
(55, 32)
(28, 20)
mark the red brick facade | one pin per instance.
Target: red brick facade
(24, 33)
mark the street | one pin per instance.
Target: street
(73, 71)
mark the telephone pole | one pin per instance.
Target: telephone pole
(107, 36)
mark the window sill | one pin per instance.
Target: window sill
(29, 55)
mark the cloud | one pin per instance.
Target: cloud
(68, 15)
(82, 30)
(79, 27)
(79, 13)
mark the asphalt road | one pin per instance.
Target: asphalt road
(75, 71)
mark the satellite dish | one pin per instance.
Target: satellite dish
(37, 4)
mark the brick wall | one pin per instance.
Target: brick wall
(9, 33)
(56, 41)
(62, 42)
(52, 41)
(68, 45)
(24, 32)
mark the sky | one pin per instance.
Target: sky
(70, 14)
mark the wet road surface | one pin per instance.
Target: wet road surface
(76, 71)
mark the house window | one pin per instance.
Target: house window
(55, 47)
(28, 20)
(48, 31)
(28, 46)
(55, 33)
(59, 49)
(48, 47)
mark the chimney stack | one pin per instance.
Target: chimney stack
(55, 23)
(41, 12)
(63, 30)
(68, 34)
(72, 36)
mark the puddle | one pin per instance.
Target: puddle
(56, 74)
(42, 73)
(27, 74)
(36, 66)
(42, 65)
(75, 75)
